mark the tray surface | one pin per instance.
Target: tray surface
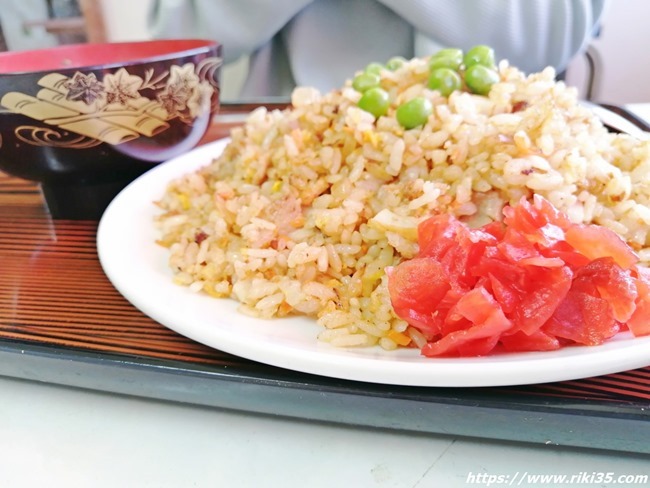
(62, 321)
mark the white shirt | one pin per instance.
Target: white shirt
(321, 43)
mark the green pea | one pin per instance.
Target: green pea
(375, 101)
(374, 68)
(365, 81)
(414, 113)
(479, 79)
(445, 80)
(480, 54)
(395, 63)
(446, 58)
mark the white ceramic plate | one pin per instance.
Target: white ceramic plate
(137, 267)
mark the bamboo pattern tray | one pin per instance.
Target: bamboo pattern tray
(62, 321)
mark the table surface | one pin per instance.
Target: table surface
(55, 435)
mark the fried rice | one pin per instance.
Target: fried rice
(306, 208)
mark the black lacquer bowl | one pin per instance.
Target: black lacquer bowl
(85, 120)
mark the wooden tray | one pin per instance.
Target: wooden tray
(61, 321)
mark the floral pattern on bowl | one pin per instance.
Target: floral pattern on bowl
(119, 107)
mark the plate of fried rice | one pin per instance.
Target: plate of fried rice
(272, 245)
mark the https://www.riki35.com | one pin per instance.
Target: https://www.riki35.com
(525, 478)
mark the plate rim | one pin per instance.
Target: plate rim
(373, 365)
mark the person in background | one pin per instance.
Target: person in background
(321, 43)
